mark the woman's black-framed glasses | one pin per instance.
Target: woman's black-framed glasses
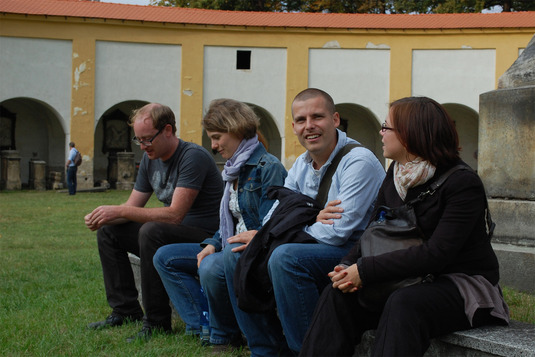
(146, 142)
(384, 128)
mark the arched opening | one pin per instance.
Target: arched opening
(361, 124)
(112, 135)
(267, 127)
(467, 123)
(34, 129)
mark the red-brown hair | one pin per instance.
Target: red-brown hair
(425, 129)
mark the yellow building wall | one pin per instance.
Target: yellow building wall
(84, 33)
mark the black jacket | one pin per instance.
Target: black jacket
(252, 285)
(453, 222)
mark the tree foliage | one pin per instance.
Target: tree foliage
(354, 6)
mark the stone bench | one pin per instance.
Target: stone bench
(134, 262)
(515, 340)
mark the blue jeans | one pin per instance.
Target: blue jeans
(298, 273)
(177, 266)
(263, 331)
(223, 326)
(71, 179)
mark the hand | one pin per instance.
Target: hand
(346, 279)
(330, 212)
(244, 237)
(100, 216)
(209, 249)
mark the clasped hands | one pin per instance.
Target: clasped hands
(346, 279)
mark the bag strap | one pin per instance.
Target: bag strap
(326, 180)
(434, 187)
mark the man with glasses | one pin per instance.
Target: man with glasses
(185, 178)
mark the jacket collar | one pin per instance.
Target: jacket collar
(257, 154)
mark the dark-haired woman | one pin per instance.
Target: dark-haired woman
(421, 139)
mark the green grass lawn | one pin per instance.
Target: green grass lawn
(51, 283)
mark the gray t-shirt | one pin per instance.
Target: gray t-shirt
(191, 166)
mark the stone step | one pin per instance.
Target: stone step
(517, 266)
(515, 340)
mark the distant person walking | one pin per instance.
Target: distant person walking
(71, 169)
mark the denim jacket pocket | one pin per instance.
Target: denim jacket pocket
(253, 184)
(252, 190)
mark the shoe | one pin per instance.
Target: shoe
(146, 333)
(112, 321)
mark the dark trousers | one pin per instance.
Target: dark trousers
(115, 241)
(71, 179)
(411, 317)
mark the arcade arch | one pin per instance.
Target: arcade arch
(362, 125)
(467, 123)
(112, 135)
(39, 134)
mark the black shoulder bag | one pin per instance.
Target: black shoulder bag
(395, 229)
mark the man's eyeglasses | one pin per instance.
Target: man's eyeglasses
(384, 128)
(137, 141)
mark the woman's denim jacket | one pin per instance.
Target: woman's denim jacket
(261, 171)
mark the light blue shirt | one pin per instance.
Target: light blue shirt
(72, 154)
(356, 183)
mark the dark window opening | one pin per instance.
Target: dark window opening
(243, 59)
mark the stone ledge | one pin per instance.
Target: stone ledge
(134, 263)
(515, 340)
(517, 263)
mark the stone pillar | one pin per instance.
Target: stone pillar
(54, 180)
(506, 164)
(37, 175)
(126, 169)
(10, 179)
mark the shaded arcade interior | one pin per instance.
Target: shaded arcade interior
(32, 132)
